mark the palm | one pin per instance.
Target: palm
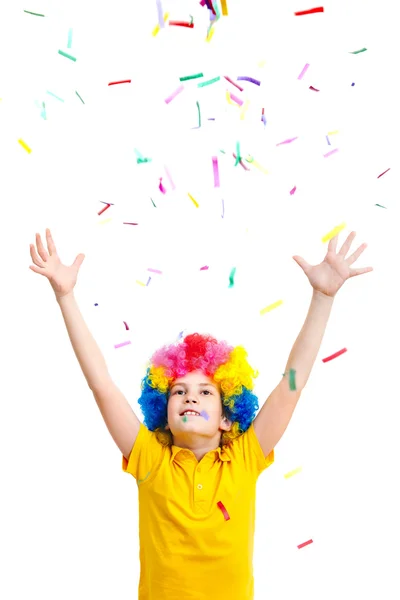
(329, 276)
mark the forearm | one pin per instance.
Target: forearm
(307, 345)
(87, 352)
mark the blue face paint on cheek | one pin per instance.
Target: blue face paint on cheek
(204, 415)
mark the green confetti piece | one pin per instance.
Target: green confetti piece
(191, 19)
(54, 96)
(67, 55)
(32, 13)
(69, 45)
(187, 77)
(153, 203)
(185, 419)
(208, 82)
(358, 51)
(231, 276)
(198, 110)
(380, 205)
(216, 8)
(292, 382)
(223, 151)
(79, 97)
(238, 157)
(44, 111)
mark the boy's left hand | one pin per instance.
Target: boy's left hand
(329, 276)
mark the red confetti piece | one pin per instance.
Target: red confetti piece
(313, 89)
(305, 544)
(181, 24)
(334, 355)
(241, 162)
(383, 173)
(224, 511)
(117, 82)
(130, 223)
(126, 325)
(103, 209)
(311, 11)
(233, 83)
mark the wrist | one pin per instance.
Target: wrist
(65, 297)
(321, 297)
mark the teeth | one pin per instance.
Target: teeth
(190, 412)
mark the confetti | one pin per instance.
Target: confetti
(233, 83)
(333, 132)
(193, 200)
(174, 94)
(241, 162)
(238, 158)
(236, 99)
(358, 51)
(160, 14)
(188, 77)
(141, 480)
(169, 177)
(224, 8)
(253, 162)
(271, 307)
(123, 344)
(231, 277)
(25, 146)
(155, 271)
(181, 24)
(141, 283)
(148, 281)
(209, 82)
(204, 268)
(161, 187)
(251, 79)
(331, 152)
(305, 544)
(54, 96)
(103, 209)
(327, 139)
(199, 113)
(204, 415)
(215, 169)
(244, 109)
(292, 382)
(69, 44)
(333, 233)
(292, 191)
(118, 82)
(292, 473)
(126, 325)
(184, 418)
(79, 97)
(157, 27)
(311, 11)
(383, 172)
(287, 141)
(313, 89)
(223, 208)
(303, 71)
(210, 33)
(67, 56)
(224, 511)
(328, 358)
(32, 13)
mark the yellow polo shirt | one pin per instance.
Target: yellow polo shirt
(196, 519)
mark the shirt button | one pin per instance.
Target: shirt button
(199, 487)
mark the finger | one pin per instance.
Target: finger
(333, 243)
(352, 259)
(302, 263)
(35, 257)
(346, 246)
(354, 272)
(50, 243)
(42, 252)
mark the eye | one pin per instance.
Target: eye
(206, 392)
(178, 391)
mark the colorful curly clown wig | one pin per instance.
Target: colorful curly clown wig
(225, 365)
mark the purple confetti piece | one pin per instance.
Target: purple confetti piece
(155, 271)
(331, 152)
(204, 415)
(160, 14)
(251, 79)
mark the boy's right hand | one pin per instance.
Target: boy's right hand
(62, 278)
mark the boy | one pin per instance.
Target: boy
(196, 471)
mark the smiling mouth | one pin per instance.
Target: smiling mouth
(190, 413)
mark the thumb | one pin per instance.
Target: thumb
(78, 261)
(302, 263)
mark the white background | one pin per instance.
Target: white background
(68, 524)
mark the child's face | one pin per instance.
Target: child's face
(198, 393)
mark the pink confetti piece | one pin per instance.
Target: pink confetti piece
(384, 172)
(204, 268)
(303, 71)
(123, 344)
(224, 511)
(215, 169)
(233, 83)
(169, 177)
(292, 191)
(155, 271)
(331, 152)
(236, 99)
(174, 94)
(287, 141)
(161, 187)
(126, 325)
(305, 544)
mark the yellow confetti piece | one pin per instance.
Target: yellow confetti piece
(140, 282)
(271, 307)
(224, 8)
(25, 146)
(210, 34)
(251, 160)
(332, 233)
(157, 27)
(291, 473)
(244, 109)
(193, 200)
(261, 63)
(333, 132)
(105, 221)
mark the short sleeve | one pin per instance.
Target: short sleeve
(145, 456)
(249, 447)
